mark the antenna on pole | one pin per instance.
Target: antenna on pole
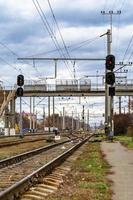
(111, 13)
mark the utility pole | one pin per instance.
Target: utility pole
(30, 114)
(72, 121)
(33, 114)
(63, 124)
(109, 101)
(129, 104)
(88, 120)
(21, 122)
(83, 112)
(53, 112)
(49, 114)
(43, 118)
(119, 105)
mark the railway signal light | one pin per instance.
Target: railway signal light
(110, 78)
(110, 62)
(20, 80)
(19, 92)
(112, 91)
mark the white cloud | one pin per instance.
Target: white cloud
(22, 30)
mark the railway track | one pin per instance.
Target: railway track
(19, 158)
(21, 141)
(16, 179)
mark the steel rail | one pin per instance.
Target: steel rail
(18, 158)
(5, 144)
(17, 189)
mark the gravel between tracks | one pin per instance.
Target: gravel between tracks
(14, 173)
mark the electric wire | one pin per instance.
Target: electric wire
(122, 4)
(73, 46)
(15, 68)
(3, 80)
(130, 56)
(46, 24)
(128, 47)
(52, 33)
(16, 55)
(12, 66)
(50, 6)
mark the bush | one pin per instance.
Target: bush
(121, 123)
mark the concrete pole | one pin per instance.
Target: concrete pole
(49, 114)
(44, 118)
(119, 105)
(7, 132)
(129, 104)
(6, 117)
(30, 114)
(12, 117)
(58, 121)
(36, 122)
(33, 114)
(88, 120)
(83, 117)
(53, 113)
(21, 119)
(63, 124)
(107, 99)
(72, 121)
(55, 68)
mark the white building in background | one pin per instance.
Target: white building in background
(2, 126)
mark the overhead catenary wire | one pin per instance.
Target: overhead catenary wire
(70, 47)
(122, 4)
(12, 66)
(16, 55)
(65, 47)
(128, 47)
(6, 81)
(15, 68)
(48, 27)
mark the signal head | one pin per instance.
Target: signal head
(110, 62)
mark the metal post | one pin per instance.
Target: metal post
(53, 112)
(97, 79)
(36, 121)
(33, 114)
(7, 132)
(63, 124)
(21, 119)
(30, 114)
(43, 118)
(55, 68)
(119, 105)
(72, 121)
(58, 117)
(12, 112)
(129, 105)
(49, 114)
(83, 117)
(88, 120)
(107, 99)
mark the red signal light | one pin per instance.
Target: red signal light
(110, 62)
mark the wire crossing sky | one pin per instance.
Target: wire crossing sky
(50, 28)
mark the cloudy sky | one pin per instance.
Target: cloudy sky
(29, 29)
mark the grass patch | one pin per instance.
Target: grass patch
(126, 141)
(99, 185)
(87, 179)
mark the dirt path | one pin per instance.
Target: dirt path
(121, 160)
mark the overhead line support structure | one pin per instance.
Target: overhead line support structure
(56, 59)
(109, 100)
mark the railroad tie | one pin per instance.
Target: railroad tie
(34, 195)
